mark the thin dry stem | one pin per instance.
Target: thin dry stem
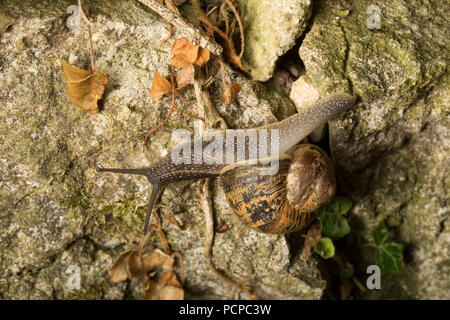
(171, 217)
(89, 24)
(241, 27)
(194, 35)
(205, 196)
(180, 259)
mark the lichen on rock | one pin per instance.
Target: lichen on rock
(56, 211)
(271, 29)
(391, 149)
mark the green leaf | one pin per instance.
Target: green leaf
(389, 257)
(333, 225)
(325, 248)
(380, 234)
(339, 205)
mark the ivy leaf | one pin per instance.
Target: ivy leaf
(84, 87)
(325, 248)
(339, 205)
(160, 87)
(389, 257)
(333, 225)
(380, 234)
(332, 222)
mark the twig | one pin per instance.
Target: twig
(89, 24)
(194, 35)
(180, 258)
(171, 217)
(203, 97)
(241, 27)
(169, 115)
(161, 234)
(209, 240)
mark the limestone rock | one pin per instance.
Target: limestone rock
(392, 148)
(57, 212)
(271, 29)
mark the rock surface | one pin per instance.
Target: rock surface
(392, 148)
(57, 213)
(271, 29)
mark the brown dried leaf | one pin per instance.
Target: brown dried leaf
(233, 57)
(230, 93)
(136, 261)
(157, 258)
(119, 271)
(84, 88)
(203, 57)
(184, 53)
(186, 76)
(312, 237)
(160, 87)
(167, 288)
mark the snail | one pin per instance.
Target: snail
(268, 198)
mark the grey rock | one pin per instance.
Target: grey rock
(56, 211)
(271, 29)
(392, 148)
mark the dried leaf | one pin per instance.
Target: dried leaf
(186, 76)
(230, 93)
(135, 262)
(312, 237)
(203, 57)
(84, 88)
(160, 87)
(167, 288)
(157, 258)
(119, 271)
(184, 53)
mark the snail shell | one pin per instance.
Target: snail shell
(283, 202)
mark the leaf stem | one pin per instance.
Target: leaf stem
(89, 24)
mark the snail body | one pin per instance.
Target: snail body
(279, 202)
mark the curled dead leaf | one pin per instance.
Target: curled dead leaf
(84, 87)
(186, 76)
(160, 87)
(230, 93)
(135, 262)
(203, 57)
(311, 238)
(185, 53)
(166, 288)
